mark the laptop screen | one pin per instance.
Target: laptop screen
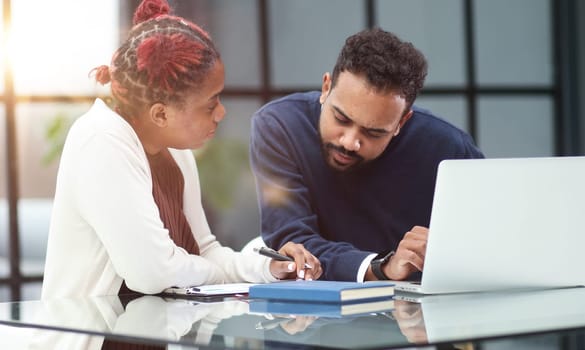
(506, 223)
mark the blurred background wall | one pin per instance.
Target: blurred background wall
(510, 72)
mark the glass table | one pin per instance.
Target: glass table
(520, 319)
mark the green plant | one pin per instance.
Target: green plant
(220, 165)
(55, 134)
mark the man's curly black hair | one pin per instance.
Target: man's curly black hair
(388, 63)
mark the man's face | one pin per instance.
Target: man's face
(356, 122)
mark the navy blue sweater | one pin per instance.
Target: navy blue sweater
(342, 217)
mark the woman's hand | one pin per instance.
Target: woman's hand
(305, 266)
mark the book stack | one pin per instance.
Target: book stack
(322, 298)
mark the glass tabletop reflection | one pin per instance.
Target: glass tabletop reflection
(83, 323)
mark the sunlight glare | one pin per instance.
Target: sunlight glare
(56, 43)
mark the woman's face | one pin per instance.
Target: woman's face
(190, 126)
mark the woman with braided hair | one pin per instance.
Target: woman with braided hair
(127, 212)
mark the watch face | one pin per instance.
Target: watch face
(380, 257)
(383, 258)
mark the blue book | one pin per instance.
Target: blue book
(329, 310)
(322, 291)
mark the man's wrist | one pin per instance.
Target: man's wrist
(364, 272)
(378, 264)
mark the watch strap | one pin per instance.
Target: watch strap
(377, 266)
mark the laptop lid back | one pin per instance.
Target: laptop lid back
(506, 223)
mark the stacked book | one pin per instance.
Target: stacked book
(322, 298)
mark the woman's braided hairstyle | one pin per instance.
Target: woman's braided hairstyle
(163, 58)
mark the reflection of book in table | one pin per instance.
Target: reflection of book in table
(322, 291)
(334, 310)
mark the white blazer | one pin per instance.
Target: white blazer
(105, 226)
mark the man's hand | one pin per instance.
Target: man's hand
(410, 255)
(410, 320)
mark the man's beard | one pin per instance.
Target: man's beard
(329, 148)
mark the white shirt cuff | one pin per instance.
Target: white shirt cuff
(361, 274)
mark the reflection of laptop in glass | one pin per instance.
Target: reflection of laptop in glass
(505, 224)
(476, 315)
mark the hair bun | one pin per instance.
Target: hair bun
(150, 9)
(102, 74)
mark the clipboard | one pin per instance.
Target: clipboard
(226, 289)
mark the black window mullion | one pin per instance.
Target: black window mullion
(565, 58)
(370, 8)
(264, 40)
(12, 185)
(470, 65)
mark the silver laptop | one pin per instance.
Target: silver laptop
(510, 223)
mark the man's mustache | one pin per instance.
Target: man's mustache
(342, 150)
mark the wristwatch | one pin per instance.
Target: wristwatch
(377, 264)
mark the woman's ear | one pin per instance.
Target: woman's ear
(158, 114)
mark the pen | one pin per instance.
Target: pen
(271, 253)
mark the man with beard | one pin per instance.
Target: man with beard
(349, 172)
